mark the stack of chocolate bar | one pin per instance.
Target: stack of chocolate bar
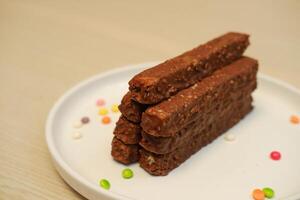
(177, 107)
(125, 144)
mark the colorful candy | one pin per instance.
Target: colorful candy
(258, 194)
(275, 155)
(229, 137)
(103, 111)
(106, 120)
(100, 102)
(85, 120)
(115, 108)
(76, 135)
(294, 119)
(269, 193)
(104, 184)
(127, 173)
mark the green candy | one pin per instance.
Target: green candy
(127, 173)
(269, 193)
(104, 184)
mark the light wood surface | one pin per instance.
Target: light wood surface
(48, 46)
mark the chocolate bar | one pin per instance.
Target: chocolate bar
(162, 164)
(124, 153)
(163, 145)
(169, 117)
(130, 109)
(164, 80)
(126, 131)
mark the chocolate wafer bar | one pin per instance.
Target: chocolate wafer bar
(130, 109)
(169, 117)
(160, 82)
(162, 164)
(163, 145)
(124, 153)
(128, 132)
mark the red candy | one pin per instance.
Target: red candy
(275, 155)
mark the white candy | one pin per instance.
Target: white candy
(76, 135)
(229, 137)
(77, 124)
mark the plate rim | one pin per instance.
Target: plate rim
(61, 165)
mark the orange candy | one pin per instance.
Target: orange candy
(294, 119)
(258, 194)
(106, 120)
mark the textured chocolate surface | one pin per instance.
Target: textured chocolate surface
(163, 145)
(124, 153)
(162, 164)
(168, 117)
(160, 82)
(128, 132)
(130, 109)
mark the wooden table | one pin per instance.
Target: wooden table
(48, 46)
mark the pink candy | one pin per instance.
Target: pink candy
(100, 102)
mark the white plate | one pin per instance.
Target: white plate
(222, 170)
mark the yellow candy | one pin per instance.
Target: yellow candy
(115, 108)
(103, 111)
